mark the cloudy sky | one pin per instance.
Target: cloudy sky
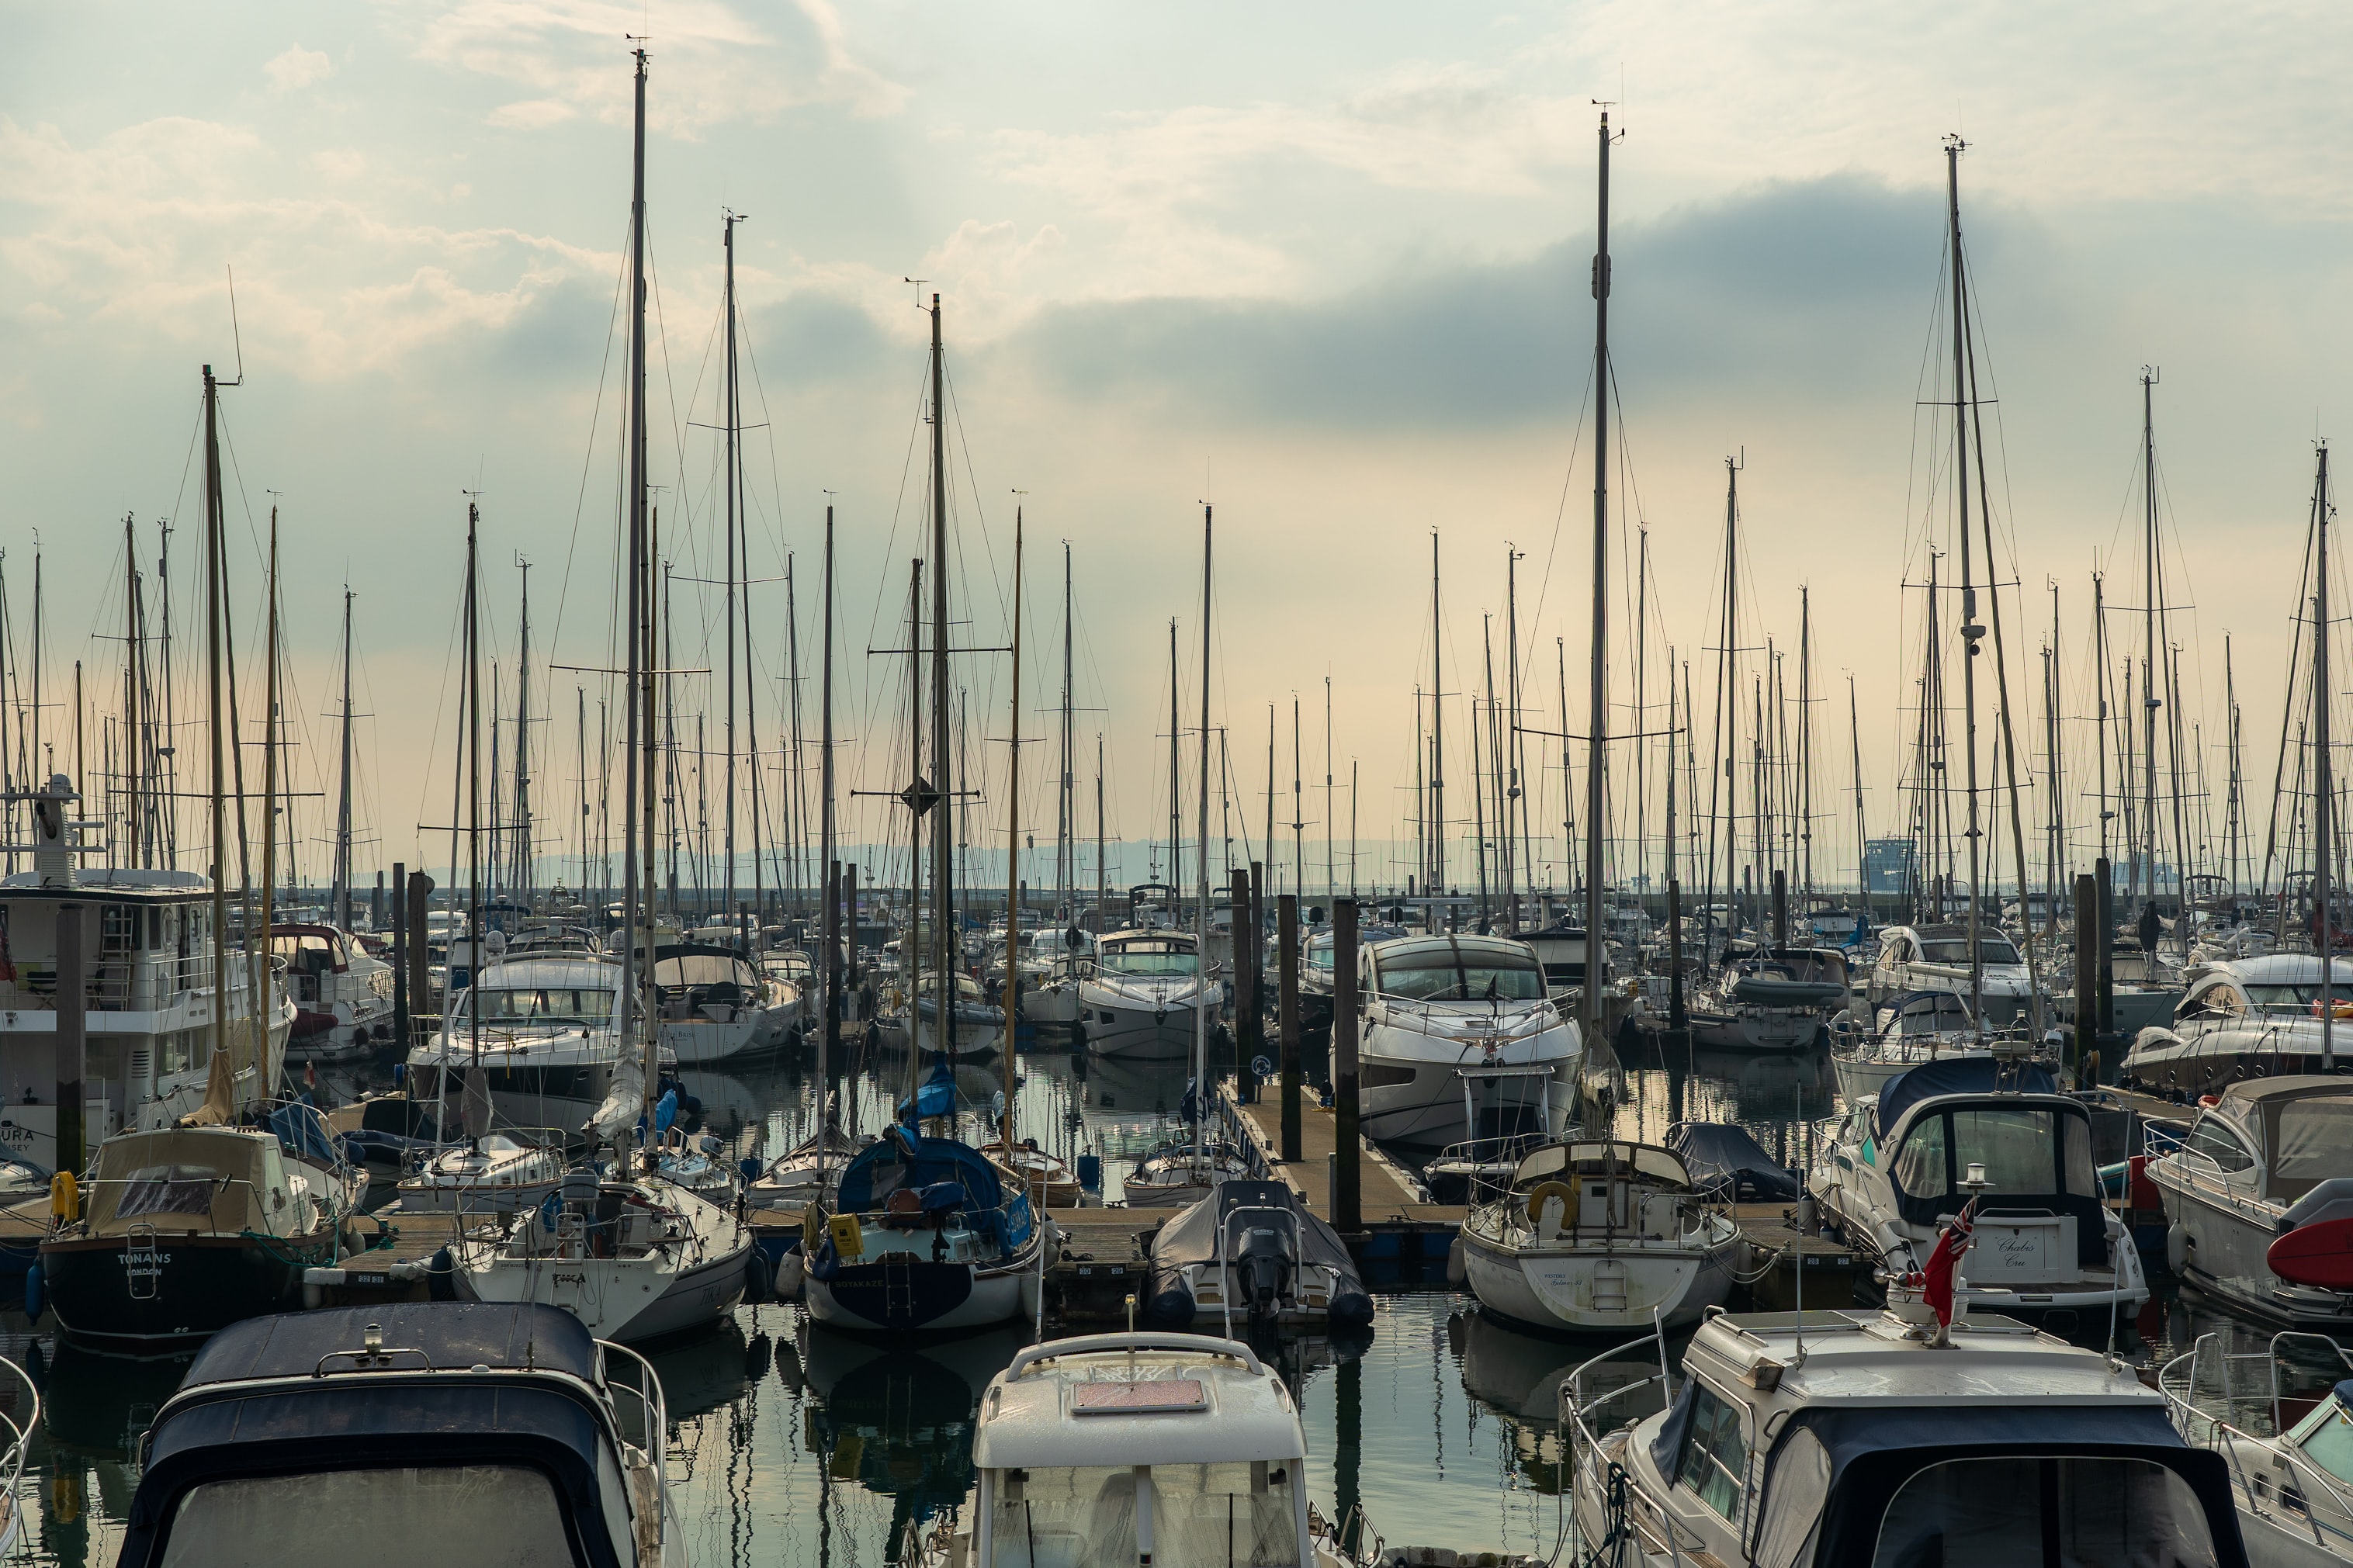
(1326, 265)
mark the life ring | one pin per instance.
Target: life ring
(1541, 1192)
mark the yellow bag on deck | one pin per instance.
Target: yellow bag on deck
(848, 1239)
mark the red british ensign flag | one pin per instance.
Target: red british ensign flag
(1936, 1279)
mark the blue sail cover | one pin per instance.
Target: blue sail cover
(935, 1097)
(1958, 1075)
(302, 1133)
(902, 1162)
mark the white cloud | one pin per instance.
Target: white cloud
(297, 68)
(711, 63)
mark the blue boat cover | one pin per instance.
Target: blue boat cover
(302, 1133)
(453, 1333)
(899, 1160)
(1957, 1075)
(937, 1096)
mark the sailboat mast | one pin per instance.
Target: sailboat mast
(1433, 874)
(2149, 701)
(1330, 820)
(1065, 824)
(1012, 854)
(270, 785)
(475, 1083)
(523, 878)
(131, 656)
(216, 687)
(639, 716)
(1970, 630)
(829, 1037)
(1597, 753)
(1201, 887)
(727, 877)
(343, 793)
(1175, 844)
(943, 830)
(2324, 797)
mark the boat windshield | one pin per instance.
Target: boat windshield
(472, 1514)
(1239, 1514)
(1956, 950)
(2020, 1147)
(1151, 957)
(2326, 1439)
(538, 1005)
(2297, 998)
(1994, 1512)
(1477, 977)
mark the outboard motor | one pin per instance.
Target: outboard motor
(1264, 1261)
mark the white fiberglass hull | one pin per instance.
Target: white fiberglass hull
(1599, 1288)
(1141, 1026)
(622, 1298)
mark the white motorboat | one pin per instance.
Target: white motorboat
(1995, 1129)
(2250, 1017)
(1897, 1036)
(1139, 1001)
(2263, 1159)
(549, 1045)
(1600, 1234)
(1459, 1033)
(1937, 958)
(1110, 1450)
(927, 1237)
(2282, 1419)
(1768, 997)
(714, 1004)
(1833, 1438)
(342, 993)
(499, 1172)
(1250, 1253)
(632, 1259)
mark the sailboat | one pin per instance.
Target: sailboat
(929, 1234)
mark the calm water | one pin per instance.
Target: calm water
(795, 1446)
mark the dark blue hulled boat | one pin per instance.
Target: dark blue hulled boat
(454, 1432)
(927, 1238)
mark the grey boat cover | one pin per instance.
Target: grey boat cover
(1191, 1238)
(1728, 1165)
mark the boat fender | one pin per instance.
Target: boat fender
(758, 1277)
(1543, 1191)
(2177, 1247)
(792, 1270)
(1350, 1312)
(65, 1197)
(1170, 1309)
(1457, 1273)
(441, 1277)
(35, 1292)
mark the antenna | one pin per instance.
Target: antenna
(236, 337)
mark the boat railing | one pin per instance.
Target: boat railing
(1613, 1408)
(20, 1425)
(1487, 1164)
(526, 1139)
(2216, 1395)
(1141, 1340)
(653, 1418)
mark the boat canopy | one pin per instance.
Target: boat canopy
(1956, 1075)
(1851, 1481)
(1590, 1159)
(1924, 1013)
(2301, 1127)
(679, 965)
(210, 1179)
(527, 1429)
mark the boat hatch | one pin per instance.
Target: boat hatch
(1157, 1396)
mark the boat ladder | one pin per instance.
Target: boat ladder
(143, 1265)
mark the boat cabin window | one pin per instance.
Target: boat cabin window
(1956, 950)
(1432, 976)
(1997, 1513)
(2314, 1140)
(537, 1005)
(2296, 998)
(2213, 1140)
(1715, 1461)
(2023, 1149)
(1241, 1514)
(1150, 958)
(469, 1514)
(2326, 1439)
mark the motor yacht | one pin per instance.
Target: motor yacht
(2257, 1163)
(2250, 1017)
(411, 1431)
(341, 994)
(1768, 997)
(1898, 1035)
(1996, 1131)
(549, 1044)
(1458, 1034)
(1828, 1440)
(714, 1004)
(1937, 958)
(1600, 1234)
(1140, 1000)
